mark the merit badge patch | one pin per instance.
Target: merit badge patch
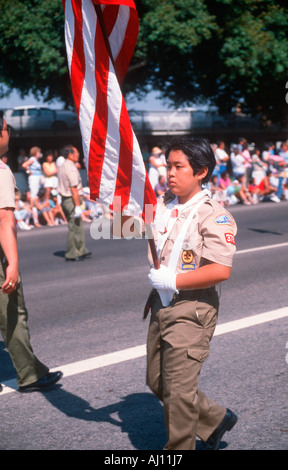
(230, 238)
(223, 219)
(187, 256)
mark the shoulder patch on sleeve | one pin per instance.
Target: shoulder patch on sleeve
(223, 219)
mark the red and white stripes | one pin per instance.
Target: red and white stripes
(116, 171)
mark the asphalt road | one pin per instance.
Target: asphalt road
(85, 318)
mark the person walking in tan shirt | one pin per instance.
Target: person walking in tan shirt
(32, 375)
(70, 190)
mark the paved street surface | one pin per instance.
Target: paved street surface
(85, 319)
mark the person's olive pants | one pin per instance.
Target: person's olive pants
(75, 247)
(14, 329)
(177, 345)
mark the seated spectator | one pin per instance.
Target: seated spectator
(42, 205)
(224, 180)
(56, 208)
(28, 204)
(226, 185)
(22, 214)
(267, 190)
(161, 187)
(91, 209)
(254, 190)
(241, 192)
(217, 193)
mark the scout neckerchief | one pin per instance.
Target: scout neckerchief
(172, 213)
(166, 221)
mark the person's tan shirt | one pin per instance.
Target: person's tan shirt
(68, 176)
(211, 239)
(7, 187)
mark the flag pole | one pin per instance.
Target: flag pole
(151, 240)
(99, 14)
(152, 246)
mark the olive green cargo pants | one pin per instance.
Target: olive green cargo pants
(14, 329)
(177, 345)
(75, 247)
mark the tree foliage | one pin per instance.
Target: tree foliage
(221, 51)
(32, 49)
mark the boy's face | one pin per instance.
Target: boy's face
(181, 179)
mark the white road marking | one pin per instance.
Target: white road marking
(260, 248)
(139, 351)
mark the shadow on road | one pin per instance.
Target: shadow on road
(140, 415)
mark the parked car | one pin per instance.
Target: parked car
(180, 120)
(40, 118)
(161, 121)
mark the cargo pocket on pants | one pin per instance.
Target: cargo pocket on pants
(198, 354)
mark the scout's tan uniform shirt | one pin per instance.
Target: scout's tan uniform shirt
(210, 235)
(68, 176)
(7, 187)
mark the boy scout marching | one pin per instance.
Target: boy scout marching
(195, 241)
(32, 375)
(194, 236)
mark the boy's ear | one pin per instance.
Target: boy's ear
(202, 173)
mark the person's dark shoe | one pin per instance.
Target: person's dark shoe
(80, 258)
(49, 379)
(228, 422)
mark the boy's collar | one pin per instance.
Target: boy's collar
(169, 197)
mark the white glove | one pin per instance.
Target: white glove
(164, 281)
(78, 212)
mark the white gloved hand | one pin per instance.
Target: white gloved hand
(78, 212)
(163, 279)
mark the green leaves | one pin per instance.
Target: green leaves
(189, 50)
(216, 50)
(32, 49)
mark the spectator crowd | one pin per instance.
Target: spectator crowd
(40, 204)
(244, 174)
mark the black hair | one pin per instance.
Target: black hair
(67, 150)
(41, 192)
(48, 152)
(198, 151)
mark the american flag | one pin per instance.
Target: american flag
(100, 39)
